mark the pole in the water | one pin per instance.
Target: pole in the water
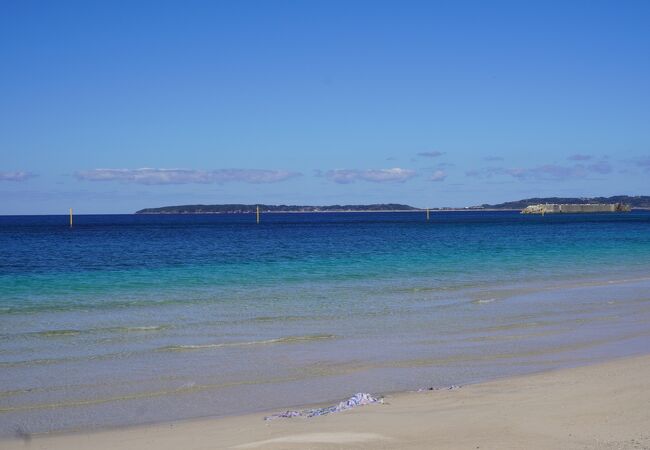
(258, 214)
(427, 214)
(70, 217)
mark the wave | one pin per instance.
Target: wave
(282, 340)
(56, 333)
(76, 332)
(169, 348)
(484, 301)
(277, 318)
(186, 388)
(136, 329)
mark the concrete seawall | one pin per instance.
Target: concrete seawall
(554, 208)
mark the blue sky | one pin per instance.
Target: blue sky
(109, 107)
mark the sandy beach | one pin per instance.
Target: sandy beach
(604, 406)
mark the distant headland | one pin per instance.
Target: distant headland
(236, 208)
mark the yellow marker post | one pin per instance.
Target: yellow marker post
(427, 214)
(70, 217)
(258, 214)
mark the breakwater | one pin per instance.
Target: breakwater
(554, 208)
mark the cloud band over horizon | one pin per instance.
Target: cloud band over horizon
(393, 175)
(152, 176)
(549, 172)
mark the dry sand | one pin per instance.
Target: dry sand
(605, 406)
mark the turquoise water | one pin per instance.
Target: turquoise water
(133, 319)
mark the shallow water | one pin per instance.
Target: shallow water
(134, 319)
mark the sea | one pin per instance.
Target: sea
(133, 319)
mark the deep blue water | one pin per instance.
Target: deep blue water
(136, 318)
(45, 264)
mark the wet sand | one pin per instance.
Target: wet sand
(604, 406)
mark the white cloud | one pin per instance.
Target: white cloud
(186, 176)
(643, 162)
(580, 157)
(15, 176)
(438, 175)
(395, 174)
(545, 172)
(433, 154)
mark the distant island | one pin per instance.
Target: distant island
(240, 208)
(642, 201)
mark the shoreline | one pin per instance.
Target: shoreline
(601, 405)
(618, 348)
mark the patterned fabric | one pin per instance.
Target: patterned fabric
(359, 399)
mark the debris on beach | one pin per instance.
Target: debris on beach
(453, 387)
(358, 399)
